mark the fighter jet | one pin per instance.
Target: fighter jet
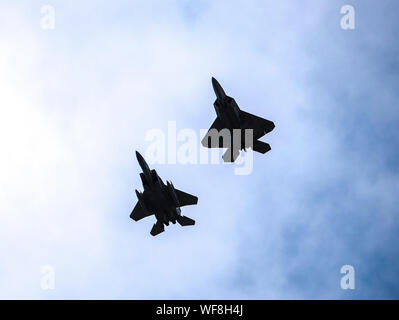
(164, 201)
(230, 117)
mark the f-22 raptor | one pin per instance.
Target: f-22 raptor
(164, 201)
(231, 118)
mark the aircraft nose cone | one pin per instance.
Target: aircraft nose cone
(218, 89)
(139, 156)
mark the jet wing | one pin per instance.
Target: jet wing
(259, 125)
(206, 142)
(185, 199)
(139, 213)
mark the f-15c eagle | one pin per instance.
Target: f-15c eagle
(164, 201)
(231, 118)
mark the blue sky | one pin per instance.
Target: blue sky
(76, 102)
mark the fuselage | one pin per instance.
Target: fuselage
(159, 197)
(226, 107)
(160, 200)
(228, 112)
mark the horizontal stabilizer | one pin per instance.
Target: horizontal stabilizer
(157, 228)
(260, 146)
(185, 221)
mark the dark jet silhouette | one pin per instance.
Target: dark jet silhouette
(230, 117)
(164, 201)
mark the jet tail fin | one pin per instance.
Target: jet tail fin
(157, 228)
(261, 146)
(185, 221)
